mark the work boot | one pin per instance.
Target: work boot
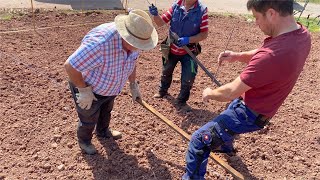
(226, 149)
(108, 133)
(160, 94)
(182, 105)
(195, 177)
(88, 148)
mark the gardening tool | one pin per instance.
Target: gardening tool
(176, 37)
(214, 157)
(155, 3)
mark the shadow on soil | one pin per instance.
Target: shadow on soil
(192, 115)
(237, 163)
(121, 166)
(88, 5)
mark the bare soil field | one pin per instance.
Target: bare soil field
(38, 118)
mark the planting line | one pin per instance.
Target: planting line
(49, 27)
(214, 157)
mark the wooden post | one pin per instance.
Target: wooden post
(214, 157)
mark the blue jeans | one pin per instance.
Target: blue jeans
(98, 115)
(189, 71)
(236, 119)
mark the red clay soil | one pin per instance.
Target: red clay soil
(38, 118)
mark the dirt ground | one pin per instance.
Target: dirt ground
(38, 118)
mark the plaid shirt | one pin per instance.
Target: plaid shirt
(103, 62)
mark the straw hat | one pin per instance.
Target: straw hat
(137, 29)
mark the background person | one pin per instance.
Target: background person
(271, 73)
(100, 67)
(189, 20)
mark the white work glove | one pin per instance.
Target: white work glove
(85, 97)
(135, 91)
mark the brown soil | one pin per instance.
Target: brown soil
(38, 118)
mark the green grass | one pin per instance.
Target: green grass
(311, 1)
(311, 23)
(6, 16)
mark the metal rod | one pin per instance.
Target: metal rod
(176, 37)
(225, 49)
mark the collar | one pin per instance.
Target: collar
(181, 3)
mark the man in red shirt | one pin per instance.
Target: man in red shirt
(269, 77)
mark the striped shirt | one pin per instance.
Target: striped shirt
(103, 62)
(204, 26)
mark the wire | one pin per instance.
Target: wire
(225, 49)
(49, 27)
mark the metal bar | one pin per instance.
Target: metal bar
(214, 157)
(176, 37)
(227, 44)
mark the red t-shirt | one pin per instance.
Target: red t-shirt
(274, 69)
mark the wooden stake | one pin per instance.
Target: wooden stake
(33, 20)
(214, 157)
(126, 5)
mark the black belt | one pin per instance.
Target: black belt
(261, 119)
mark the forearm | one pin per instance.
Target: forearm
(132, 77)
(75, 76)
(229, 91)
(158, 20)
(199, 37)
(246, 56)
(222, 94)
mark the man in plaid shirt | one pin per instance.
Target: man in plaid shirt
(101, 66)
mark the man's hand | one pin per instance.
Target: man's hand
(228, 56)
(85, 97)
(135, 91)
(206, 95)
(153, 10)
(183, 41)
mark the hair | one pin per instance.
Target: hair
(284, 7)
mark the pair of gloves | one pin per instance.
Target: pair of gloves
(153, 10)
(85, 97)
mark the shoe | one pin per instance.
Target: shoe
(108, 133)
(180, 103)
(187, 177)
(229, 150)
(87, 148)
(160, 95)
(183, 106)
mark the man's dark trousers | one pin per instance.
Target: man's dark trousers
(188, 73)
(99, 113)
